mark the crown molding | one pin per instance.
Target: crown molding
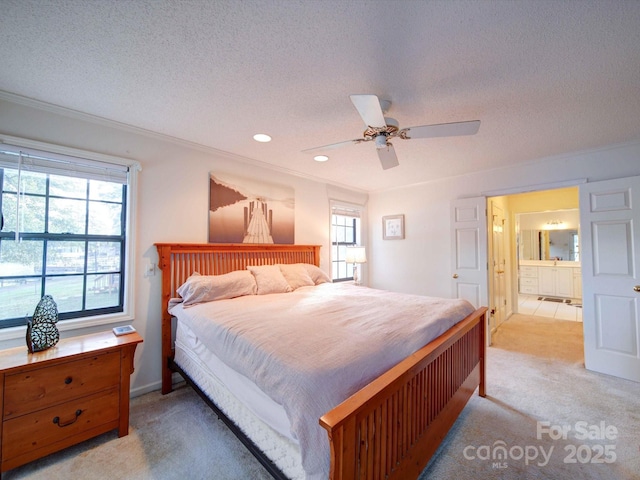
(105, 122)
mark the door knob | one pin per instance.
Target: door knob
(636, 288)
(455, 275)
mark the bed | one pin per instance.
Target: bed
(388, 428)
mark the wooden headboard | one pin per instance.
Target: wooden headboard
(177, 261)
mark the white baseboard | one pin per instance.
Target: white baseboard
(151, 387)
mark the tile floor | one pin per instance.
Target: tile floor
(530, 305)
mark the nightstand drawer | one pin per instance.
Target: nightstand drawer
(63, 423)
(37, 389)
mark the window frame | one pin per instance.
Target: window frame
(129, 242)
(343, 209)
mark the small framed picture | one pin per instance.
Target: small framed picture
(393, 227)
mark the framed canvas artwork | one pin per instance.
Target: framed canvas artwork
(244, 210)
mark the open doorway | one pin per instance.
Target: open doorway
(534, 257)
(605, 275)
(548, 264)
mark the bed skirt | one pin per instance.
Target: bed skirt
(283, 453)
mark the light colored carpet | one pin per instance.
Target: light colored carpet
(171, 437)
(535, 374)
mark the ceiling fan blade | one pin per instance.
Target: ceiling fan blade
(369, 108)
(332, 146)
(388, 157)
(444, 130)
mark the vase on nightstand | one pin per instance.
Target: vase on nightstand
(42, 332)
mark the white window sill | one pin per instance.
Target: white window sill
(8, 336)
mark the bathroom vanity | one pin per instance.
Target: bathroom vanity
(550, 278)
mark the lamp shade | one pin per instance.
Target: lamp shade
(356, 255)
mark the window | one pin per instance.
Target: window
(65, 233)
(345, 232)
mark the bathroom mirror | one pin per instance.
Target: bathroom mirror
(551, 235)
(550, 245)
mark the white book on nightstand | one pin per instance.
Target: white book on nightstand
(124, 330)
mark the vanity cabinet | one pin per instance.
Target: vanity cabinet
(551, 281)
(529, 280)
(555, 281)
(577, 283)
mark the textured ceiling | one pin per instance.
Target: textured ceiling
(544, 77)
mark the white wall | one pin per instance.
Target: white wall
(422, 262)
(172, 202)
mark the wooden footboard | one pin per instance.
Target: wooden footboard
(392, 427)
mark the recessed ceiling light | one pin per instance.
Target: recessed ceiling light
(261, 137)
(321, 158)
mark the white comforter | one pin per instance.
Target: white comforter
(312, 348)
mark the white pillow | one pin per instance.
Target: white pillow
(207, 288)
(269, 279)
(296, 275)
(317, 275)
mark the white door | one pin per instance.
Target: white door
(498, 306)
(469, 259)
(610, 253)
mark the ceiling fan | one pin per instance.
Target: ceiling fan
(381, 129)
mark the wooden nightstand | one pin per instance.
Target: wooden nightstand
(64, 395)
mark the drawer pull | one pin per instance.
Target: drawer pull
(56, 420)
(68, 380)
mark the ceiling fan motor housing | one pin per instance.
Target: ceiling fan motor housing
(380, 134)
